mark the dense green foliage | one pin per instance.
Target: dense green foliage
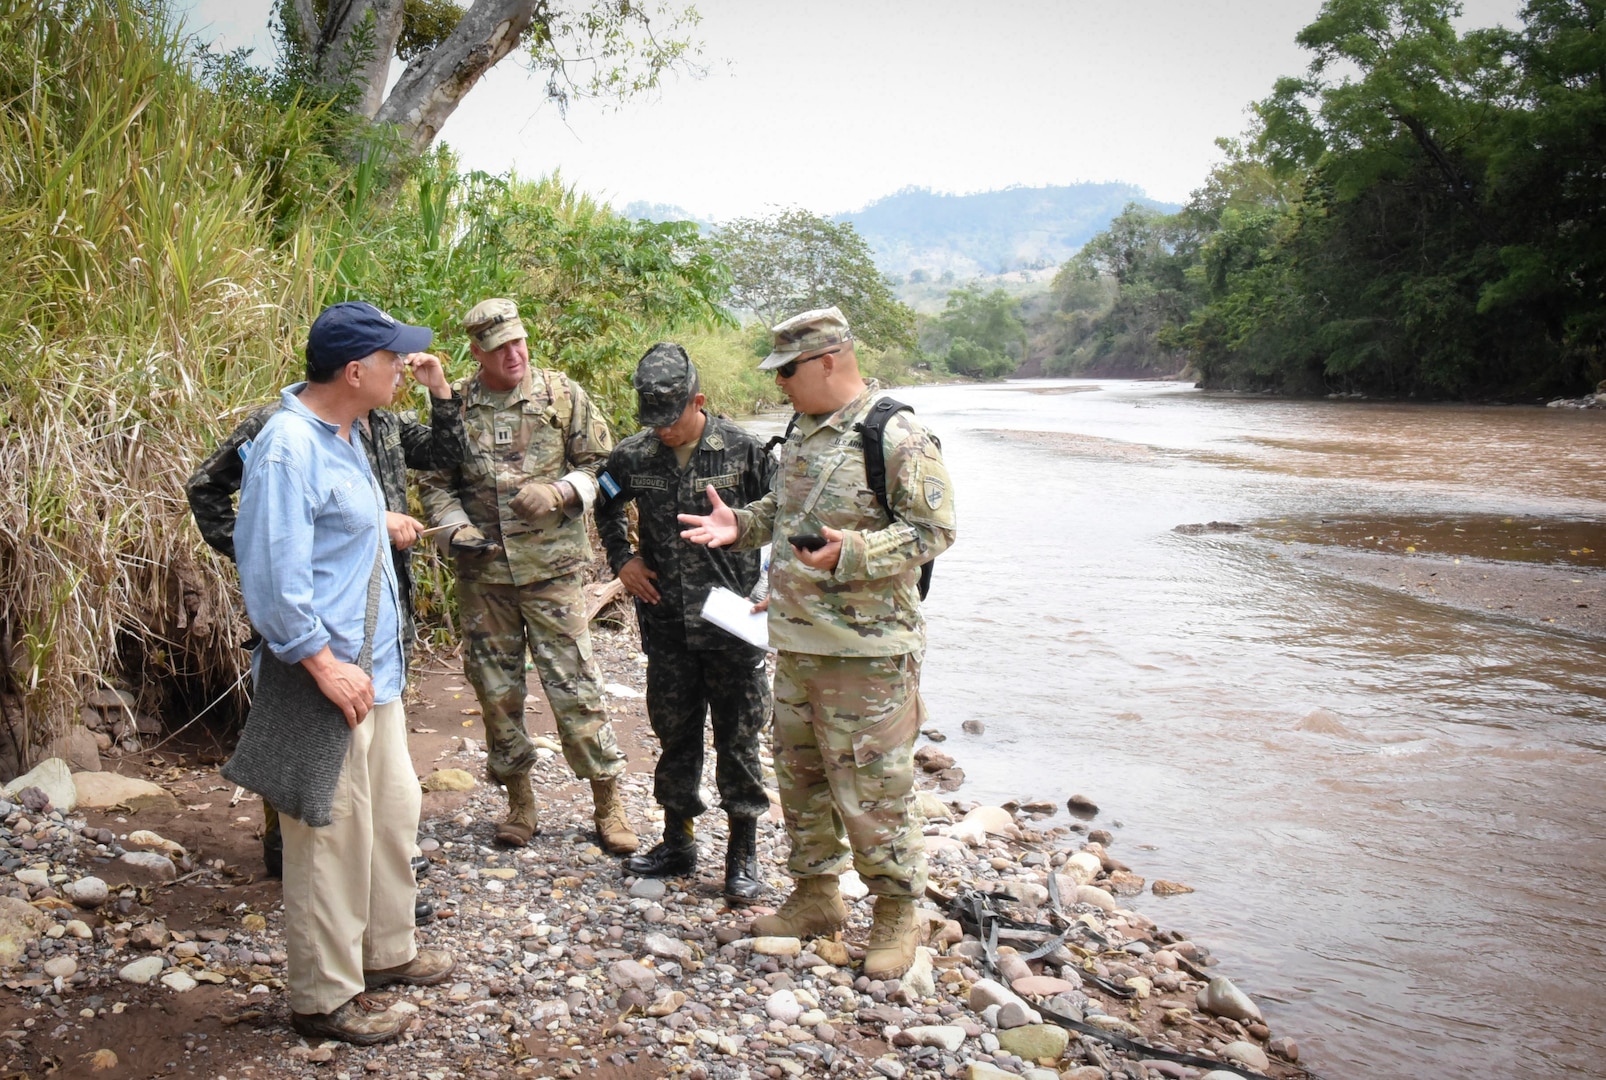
(172, 224)
(1420, 214)
(796, 261)
(979, 334)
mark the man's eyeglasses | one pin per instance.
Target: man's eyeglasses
(788, 369)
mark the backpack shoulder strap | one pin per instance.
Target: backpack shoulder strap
(777, 440)
(873, 428)
(559, 397)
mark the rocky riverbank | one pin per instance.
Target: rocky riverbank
(171, 962)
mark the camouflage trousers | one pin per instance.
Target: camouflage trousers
(731, 688)
(844, 740)
(548, 617)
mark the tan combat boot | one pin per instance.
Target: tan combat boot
(893, 937)
(613, 828)
(520, 824)
(813, 910)
(362, 1021)
(428, 967)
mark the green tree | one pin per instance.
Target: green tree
(982, 334)
(1547, 173)
(794, 261)
(1146, 257)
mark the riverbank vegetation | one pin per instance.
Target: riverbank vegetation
(173, 221)
(1419, 215)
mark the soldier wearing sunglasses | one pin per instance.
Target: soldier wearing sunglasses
(844, 617)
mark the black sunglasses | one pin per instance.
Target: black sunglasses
(788, 369)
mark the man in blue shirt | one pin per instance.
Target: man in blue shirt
(309, 539)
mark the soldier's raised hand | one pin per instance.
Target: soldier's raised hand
(716, 529)
(427, 372)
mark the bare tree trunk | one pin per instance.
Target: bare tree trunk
(435, 83)
(302, 22)
(345, 54)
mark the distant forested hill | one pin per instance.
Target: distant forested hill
(919, 233)
(992, 232)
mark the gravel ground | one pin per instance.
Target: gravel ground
(565, 966)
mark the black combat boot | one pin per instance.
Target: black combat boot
(741, 861)
(674, 856)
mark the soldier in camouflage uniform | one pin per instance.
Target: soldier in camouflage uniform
(846, 621)
(394, 443)
(519, 498)
(694, 669)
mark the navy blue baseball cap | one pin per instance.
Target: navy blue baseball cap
(352, 330)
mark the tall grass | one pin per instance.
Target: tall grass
(171, 222)
(142, 302)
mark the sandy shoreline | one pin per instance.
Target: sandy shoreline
(1554, 597)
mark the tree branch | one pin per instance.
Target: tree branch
(355, 45)
(301, 21)
(434, 84)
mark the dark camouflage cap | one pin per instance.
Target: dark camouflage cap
(806, 333)
(493, 323)
(665, 381)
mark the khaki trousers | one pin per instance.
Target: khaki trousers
(348, 886)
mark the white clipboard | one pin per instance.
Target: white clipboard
(734, 614)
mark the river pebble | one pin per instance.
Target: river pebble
(141, 971)
(1222, 998)
(587, 970)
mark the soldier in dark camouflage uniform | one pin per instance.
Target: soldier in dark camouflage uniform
(694, 669)
(519, 500)
(844, 617)
(394, 442)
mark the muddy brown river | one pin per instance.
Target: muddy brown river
(1393, 811)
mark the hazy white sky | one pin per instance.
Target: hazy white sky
(833, 103)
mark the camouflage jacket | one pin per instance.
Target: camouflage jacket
(870, 604)
(394, 442)
(546, 430)
(646, 470)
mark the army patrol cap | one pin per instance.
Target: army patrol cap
(806, 333)
(665, 382)
(493, 323)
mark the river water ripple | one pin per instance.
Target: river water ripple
(1393, 812)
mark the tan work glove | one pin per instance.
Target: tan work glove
(470, 541)
(536, 502)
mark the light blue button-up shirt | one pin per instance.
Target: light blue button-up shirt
(311, 521)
